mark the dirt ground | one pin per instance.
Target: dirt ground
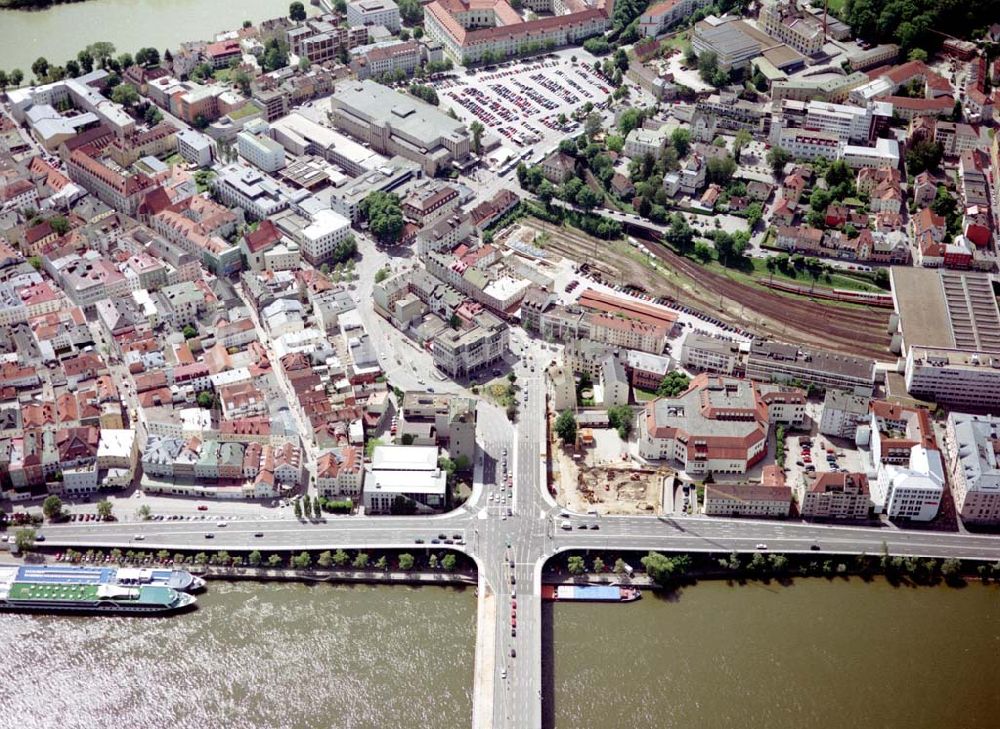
(610, 488)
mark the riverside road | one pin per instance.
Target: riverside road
(533, 531)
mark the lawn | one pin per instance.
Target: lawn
(643, 395)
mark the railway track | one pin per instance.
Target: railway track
(851, 330)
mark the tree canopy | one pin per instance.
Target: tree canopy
(566, 426)
(673, 384)
(384, 215)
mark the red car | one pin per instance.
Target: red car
(202, 507)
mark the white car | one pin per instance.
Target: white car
(761, 545)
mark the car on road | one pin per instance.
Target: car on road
(220, 524)
(209, 535)
(202, 507)
(760, 545)
(814, 547)
(442, 536)
(258, 534)
(39, 537)
(513, 653)
(595, 526)
(138, 537)
(435, 541)
(418, 541)
(503, 673)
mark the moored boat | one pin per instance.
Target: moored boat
(126, 576)
(590, 593)
(22, 593)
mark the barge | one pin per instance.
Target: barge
(590, 593)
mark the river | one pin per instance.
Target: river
(58, 32)
(817, 654)
(252, 656)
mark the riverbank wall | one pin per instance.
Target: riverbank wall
(392, 577)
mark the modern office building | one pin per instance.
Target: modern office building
(405, 478)
(362, 13)
(778, 362)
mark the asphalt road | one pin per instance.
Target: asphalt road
(533, 531)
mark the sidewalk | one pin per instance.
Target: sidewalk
(333, 575)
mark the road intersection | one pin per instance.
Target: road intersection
(534, 534)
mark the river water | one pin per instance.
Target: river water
(253, 656)
(816, 655)
(58, 32)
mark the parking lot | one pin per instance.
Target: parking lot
(520, 102)
(807, 455)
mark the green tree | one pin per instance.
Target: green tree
(317, 509)
(382, 274)
(144, 512)
(360, 561)
(275, 560)
(575, 565)
(298, 509)
(673, 384)
(476, 128)
(340, 558)
(206, 400)
(662, 569)
(241, 79)
(125, 94)
(924, 154)
(448, 562)
(598, 565)
(297, 12)
(200, 558)
(104, 509)
(382, 563)
(52, 507)
(406, 561)
(586, 198)
(565, 427)
(384, 215)
(432, 562)
(411, 12)
(743, 138)
(254, 558)
(16, 77)
(621, 418)
(620, 567)
(24, 539)
(777, 158)
(302, 561)
(189, 331)
(680, 138)
(720, 169)
(325, 559)
(147, 57)
(306, 506)
(40, 68)
(72, 69)
(951, 569)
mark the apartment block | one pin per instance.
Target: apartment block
(973, 445)
(834, 495)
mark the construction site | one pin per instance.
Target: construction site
(593, 478)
